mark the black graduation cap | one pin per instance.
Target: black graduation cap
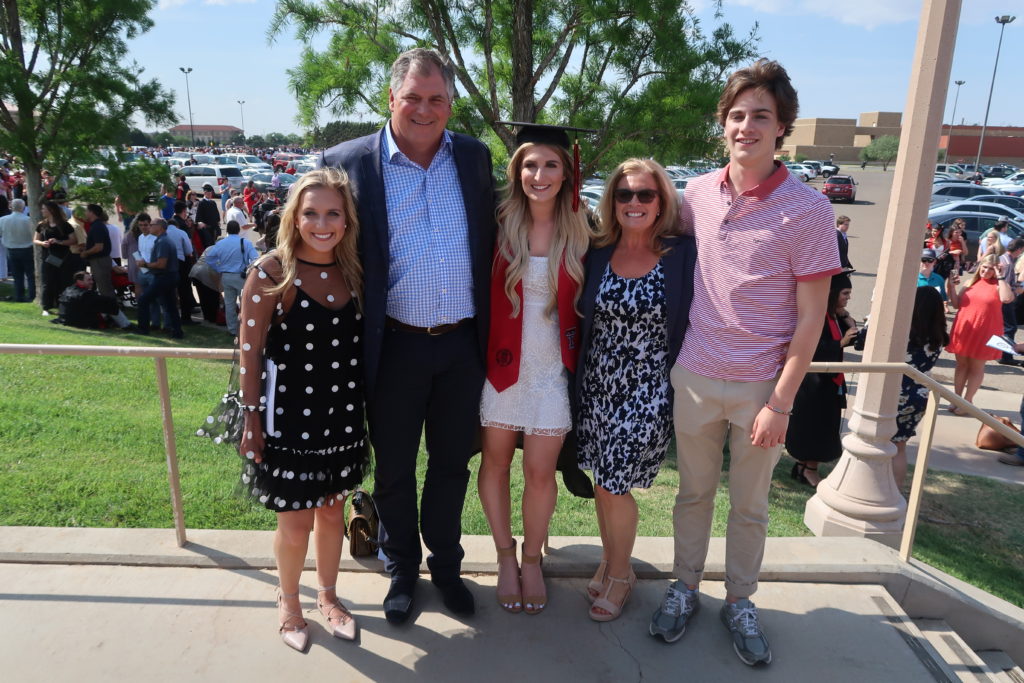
(556, 136)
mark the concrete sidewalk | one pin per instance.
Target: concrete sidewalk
(953, 447)
(65, 620)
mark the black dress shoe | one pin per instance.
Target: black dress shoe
(398, 601)
(456, 596)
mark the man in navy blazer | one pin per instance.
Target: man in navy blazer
(425, 198)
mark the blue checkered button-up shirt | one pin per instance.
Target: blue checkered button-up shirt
(430, 278)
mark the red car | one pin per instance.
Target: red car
(840, 187)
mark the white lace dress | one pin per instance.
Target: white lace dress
(539, 402)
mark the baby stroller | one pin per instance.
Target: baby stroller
(123, 287)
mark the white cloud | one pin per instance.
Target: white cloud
(228, 2)
(864, 13)
(170, 4)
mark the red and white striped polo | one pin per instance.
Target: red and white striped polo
(751, 252)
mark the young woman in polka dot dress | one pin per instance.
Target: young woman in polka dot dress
(304, 440)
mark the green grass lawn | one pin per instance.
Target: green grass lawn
(81, 444)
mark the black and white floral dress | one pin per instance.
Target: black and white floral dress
(625, 423)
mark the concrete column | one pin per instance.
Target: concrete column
(859, 497)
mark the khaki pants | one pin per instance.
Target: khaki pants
(706, 412)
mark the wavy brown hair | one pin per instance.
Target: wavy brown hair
(289, 238)
(765, 76)
(569, 243)
(665, 224)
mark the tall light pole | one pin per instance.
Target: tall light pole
(952, 121)
(1002, 21)
(188, 94)
(242, 112)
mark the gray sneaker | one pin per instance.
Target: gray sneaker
(748, 639)
(679, 605)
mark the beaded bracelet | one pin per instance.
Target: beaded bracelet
(772, 408)
(253, 409)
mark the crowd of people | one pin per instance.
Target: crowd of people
(401, 295)
(167, 289)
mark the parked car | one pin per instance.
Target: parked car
(244, 161)
(261, 181)
(952, 169)
(828, 168)
(214, 174)
(977, 207)
(680, 183)
(947, 192)
(1012, 178)
(285, 159)
(1004, 199)
(976, 224)
(811, 172)
(86, 175)
(840, 187)
(800, 171)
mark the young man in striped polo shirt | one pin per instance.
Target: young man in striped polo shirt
(766, 250)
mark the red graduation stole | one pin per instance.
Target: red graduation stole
(505, 342)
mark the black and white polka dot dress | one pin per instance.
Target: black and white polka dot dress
(316, 450)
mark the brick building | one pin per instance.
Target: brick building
(204, 133)
(818, 138)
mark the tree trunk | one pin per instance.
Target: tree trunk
(522, 61)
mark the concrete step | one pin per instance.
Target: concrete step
(965, 664)
(1004, 669)
(92, 623)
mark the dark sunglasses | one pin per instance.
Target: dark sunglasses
(927, 260)
(623, 196)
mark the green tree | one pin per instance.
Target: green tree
(138, 137)
(257, 141)
(336, 132)
(643, 73)
(136, 183)
(276, 139)
(883, 148)
(64, 87)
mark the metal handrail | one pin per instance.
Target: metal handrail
(161, 354)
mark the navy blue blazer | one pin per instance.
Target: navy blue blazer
(678, 267)
(360, 158)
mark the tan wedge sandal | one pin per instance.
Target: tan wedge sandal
(613, 610)
(510, 602)
(596, 585)
(534, 604)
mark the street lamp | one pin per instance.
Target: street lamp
(188, 94)
(1002, 21)
(952, 121)
(242, 112)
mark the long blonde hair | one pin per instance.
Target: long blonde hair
(569, 243)
(996, 248)
(609, 229)
(289, 238)
(975, 275)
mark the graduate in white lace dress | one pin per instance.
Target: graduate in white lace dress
(532, 348)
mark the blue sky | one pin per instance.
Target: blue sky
(844, 56)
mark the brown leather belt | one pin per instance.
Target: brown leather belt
(435, 331)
